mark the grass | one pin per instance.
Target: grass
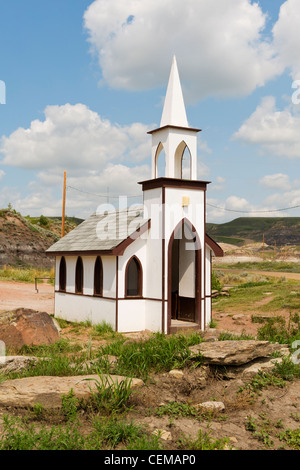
(110, 395)
(204, 441)
(176, 410)
(244, 296)
(157, 354)
(277, 330)
(26, 274)
(277, 266)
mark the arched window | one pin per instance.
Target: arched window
(133, 278)
(160, 162)
(62, 275)
(98, 277)
(79, 276)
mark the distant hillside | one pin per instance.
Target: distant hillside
(279, 230)
(24, 240)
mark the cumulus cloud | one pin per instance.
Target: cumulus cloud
(286, 36)
(2, 173)
(74, 137)
(220, 47)
(276, 181)
(276, 131)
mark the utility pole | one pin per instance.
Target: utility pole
(63, 207)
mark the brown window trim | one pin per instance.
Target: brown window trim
(64, 266)
(140, 279)
(96, 294)
(79, 292)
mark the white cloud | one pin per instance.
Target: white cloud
(74, 137)
(286, 36)
(2, 173)
(284, 200)
(276, 181)
(218, 184)
(219, 45)
(86, 190)
(276, 131)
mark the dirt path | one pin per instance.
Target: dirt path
(18, 294)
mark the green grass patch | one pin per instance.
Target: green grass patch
(291, 437)
(157, 354)
(177, 410)
(272, 266)
(204, 441)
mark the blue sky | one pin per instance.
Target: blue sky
(85, 81)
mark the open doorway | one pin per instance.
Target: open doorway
(184, 274)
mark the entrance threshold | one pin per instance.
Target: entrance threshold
(180, 325)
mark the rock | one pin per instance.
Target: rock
(211, 334)
(250, 370)
(210, 406)
(178, 374)
(48, 391)
(16, 363)
(27, 327)
(233, 352)
(164, 435)
(238, 317)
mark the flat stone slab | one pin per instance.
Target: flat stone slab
(48, 391)
(234, 352)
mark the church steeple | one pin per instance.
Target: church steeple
(174, 135)
(174, 113)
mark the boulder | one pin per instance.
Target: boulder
(16, 363)
(48, 391)
(251, 369)
(27, 327)
(234, 352)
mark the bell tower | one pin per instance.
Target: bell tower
(174, 135)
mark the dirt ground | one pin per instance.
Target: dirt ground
(251, 422)
(19, 294)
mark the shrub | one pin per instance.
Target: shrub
(277, 331)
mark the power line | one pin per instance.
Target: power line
(105, 196)
(253, 211)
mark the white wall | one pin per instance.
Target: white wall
(131, 315)
(78, 308)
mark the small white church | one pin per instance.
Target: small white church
(149, 266)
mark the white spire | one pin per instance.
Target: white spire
(174, 113)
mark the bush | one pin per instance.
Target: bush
(215, 282)
(277, 331)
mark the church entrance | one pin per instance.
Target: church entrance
(184, 274)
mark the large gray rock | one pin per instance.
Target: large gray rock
(27, 327)
(233, 352)
(48, 391)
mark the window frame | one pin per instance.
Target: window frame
(96, 294)
(139, 295)
(77, 291)
(60, 288)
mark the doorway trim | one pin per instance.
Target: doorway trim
(198, 258)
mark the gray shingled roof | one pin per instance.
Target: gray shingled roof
(101, 232)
